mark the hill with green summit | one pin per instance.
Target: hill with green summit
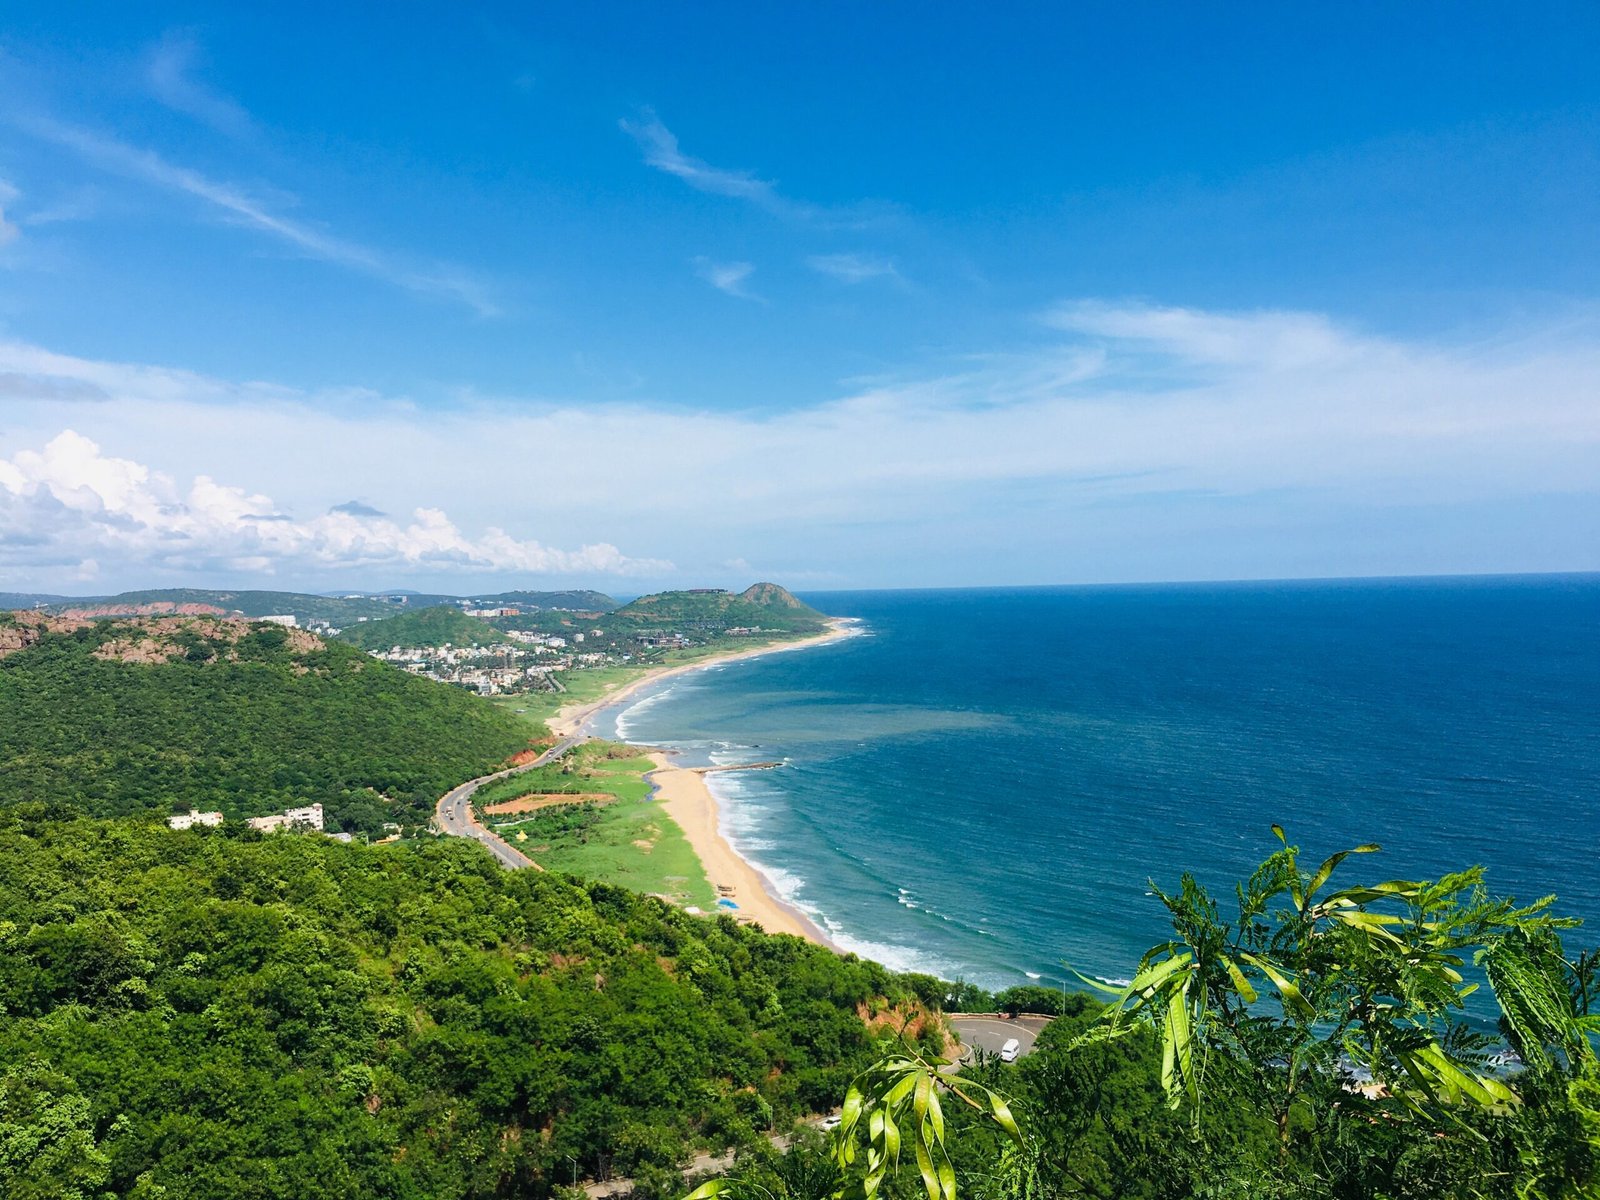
(764, 606)
(442, 625)
(162, 714)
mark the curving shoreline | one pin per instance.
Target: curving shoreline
(685, 797)
(571, 718)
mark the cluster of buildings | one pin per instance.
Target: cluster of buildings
(523, 663)
(307, 818)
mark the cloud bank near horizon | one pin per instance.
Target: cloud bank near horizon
(1117, 429)
(70, 505)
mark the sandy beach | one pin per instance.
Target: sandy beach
(570, 718)
(684, 796)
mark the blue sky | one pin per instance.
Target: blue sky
(848, 296)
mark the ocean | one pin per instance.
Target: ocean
(983, 783)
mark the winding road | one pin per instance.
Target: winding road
(454, 810)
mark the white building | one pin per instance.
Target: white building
(192, 818)
(309, 817)
(287, 619)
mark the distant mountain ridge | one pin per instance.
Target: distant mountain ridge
(338, 610)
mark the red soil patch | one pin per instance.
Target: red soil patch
(534, 801)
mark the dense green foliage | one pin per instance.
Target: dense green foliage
(1315, 1046)
(239, 721)
(439, 626)
(203, 1015)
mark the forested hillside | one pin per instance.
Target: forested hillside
(211, 1014)
(762, 606)
(117, 717)
(438, 626)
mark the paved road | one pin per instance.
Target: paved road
(992, 1032)
(454, 812)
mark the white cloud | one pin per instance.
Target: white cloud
(170, 72)
(1271, 340)
(661, 151)
(69, 502)
(1126, 425)
(120, 158)
(853, 268)
(729, 277)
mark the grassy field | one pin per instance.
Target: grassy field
(629, 842)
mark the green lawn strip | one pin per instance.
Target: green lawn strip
(631, 843)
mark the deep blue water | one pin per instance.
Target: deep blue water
(982, 783)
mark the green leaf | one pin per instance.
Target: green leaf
(930, 1178)
(1002, 1115)
(1240, 983)
(1287, 989)
(936, 1114)
(1152, 977)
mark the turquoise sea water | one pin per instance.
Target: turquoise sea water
(981, 783)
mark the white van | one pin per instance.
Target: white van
(1009, 1052)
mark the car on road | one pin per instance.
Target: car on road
(1009, 1052)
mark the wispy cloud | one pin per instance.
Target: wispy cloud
(662, 151)
(170, 70)
(729, 277)
(239, 206)
(853, 268)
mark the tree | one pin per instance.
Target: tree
(1364, 1026)
(1317, 1044)
(48, 1149)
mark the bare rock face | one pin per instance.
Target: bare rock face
(157, 608)
(145, 639)
(19, 630)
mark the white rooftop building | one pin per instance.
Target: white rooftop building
(192, 818)
(309, 817)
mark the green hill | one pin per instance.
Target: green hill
(116, 717)
(763, 606)
(428, 627)
(211, 1016)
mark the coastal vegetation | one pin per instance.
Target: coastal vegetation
(211, 1013)
(764, 606)
(441, 625)
(609, 831)
(111, 718)
(1314, 1045)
